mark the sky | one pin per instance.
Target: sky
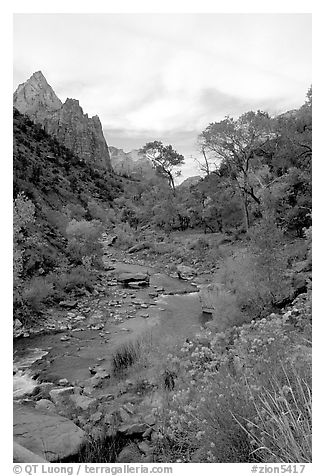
(167, 76)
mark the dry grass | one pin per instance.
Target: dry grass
(282, 431)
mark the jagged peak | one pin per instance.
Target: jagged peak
(38, 79)
(38, 75)
(34, 92)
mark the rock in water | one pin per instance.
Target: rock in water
(51, 437)
(133, 278)
(81, 134)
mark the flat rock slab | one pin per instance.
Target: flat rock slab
(132, 277)
(23, 455)
(51, 437)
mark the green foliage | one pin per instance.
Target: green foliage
(35, 292)
(84, 245)
(75, 279)
(242, 395)
(23, 217)
(258, 276)
(56, 233)
(164, 158)
(236, 145)
(125, 236)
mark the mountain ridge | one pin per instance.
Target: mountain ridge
(67, 122)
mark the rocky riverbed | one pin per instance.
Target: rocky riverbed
(66, 387)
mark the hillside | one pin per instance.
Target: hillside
(57, 187)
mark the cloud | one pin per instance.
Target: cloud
(149, 75)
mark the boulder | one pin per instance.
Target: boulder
(302, 266)
(144, 447)
(138, 284)
(51, 437)
(150, 419)
(110, 240)
(42, 390)
(83, 402)
(23, 455)
(129, 454)
(45, 406)
(185, 272)
(124, 415)
(139, 247)
(59, 395)
(17, 324)
(96, 417)
(133, 429)
(128, 278)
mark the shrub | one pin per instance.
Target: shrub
(125, 236)
(36, 292)
(97, 212)
(84, 241)
(74, 279)
(224, 306)
(257, 276)
(23, 216)
(242, 395)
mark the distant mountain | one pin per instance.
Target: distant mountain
(130, 164)
(66, 121)
(187, 183)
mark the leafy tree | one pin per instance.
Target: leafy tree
(84, 244)
(289, 193)
(238, 146)
(164, 158)
(23, 216)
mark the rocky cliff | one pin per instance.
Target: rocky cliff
(66, 121)
(131, 164)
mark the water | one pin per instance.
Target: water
(23, 382)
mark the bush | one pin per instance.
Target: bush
(75, 279)
(97, 212)
(224, 307)
(242, 395)
(84, 242)
(36, 292)
(125, 236)
(258, 275)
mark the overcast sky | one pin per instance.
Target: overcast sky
(166, 77)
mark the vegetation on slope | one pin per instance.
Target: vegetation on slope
(60, 207)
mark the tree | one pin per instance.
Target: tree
(23, 216)
(239, 145)
(289, 194)
(164, 159)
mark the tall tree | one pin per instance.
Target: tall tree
(238, 146)
(165, 160)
